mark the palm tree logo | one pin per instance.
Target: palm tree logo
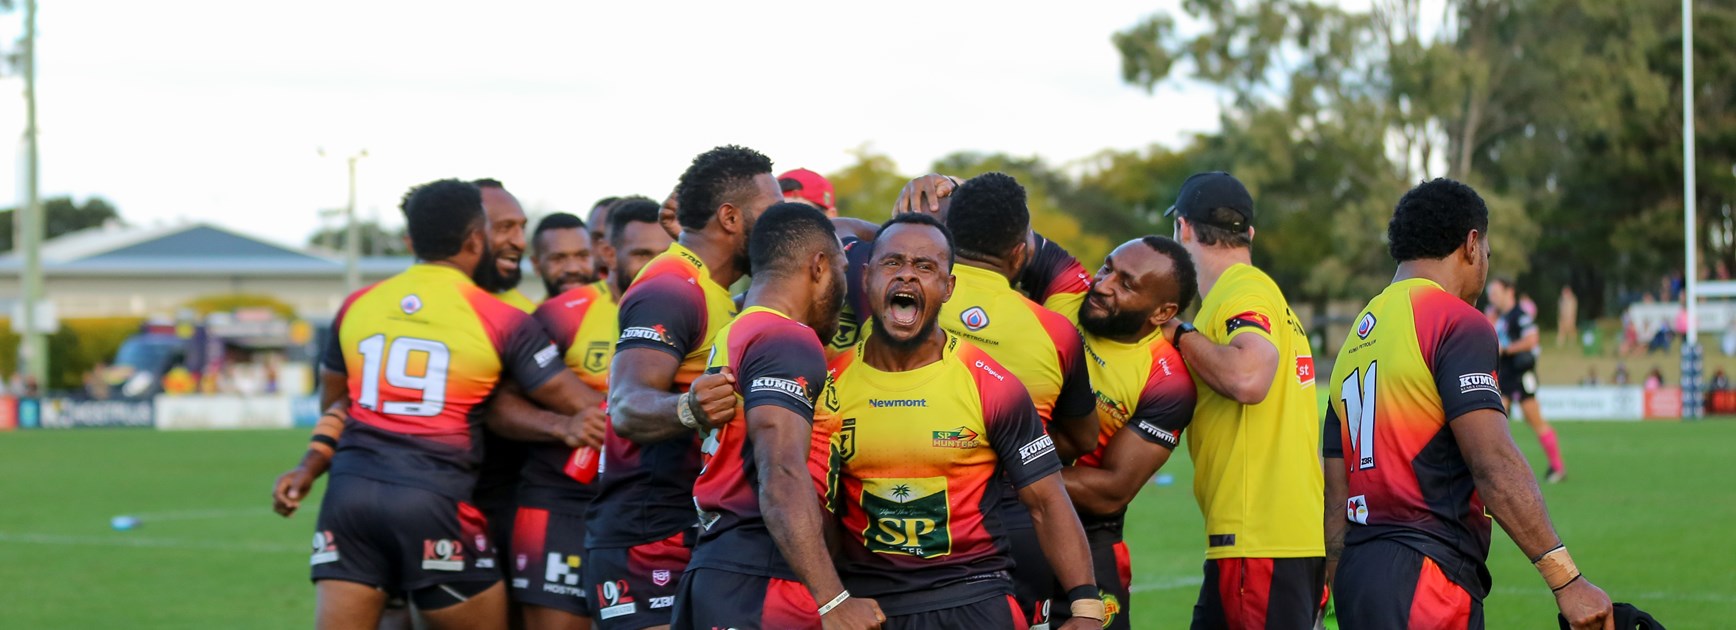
(901, 492)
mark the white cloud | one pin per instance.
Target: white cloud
(214, 110)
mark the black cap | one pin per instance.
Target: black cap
(1204, 193)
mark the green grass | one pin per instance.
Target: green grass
(1645, 513)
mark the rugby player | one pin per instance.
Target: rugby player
(601, 257)
(1516, 330)
(808, 188)
(561, 253)
(1144, 396)
(762, 534)
(641, 525)
(991, 230)
(506, 222)
(548, 539)
(421, 352)
(1255, 435)
(1418, 454)
(1051, 276)
(922, 427)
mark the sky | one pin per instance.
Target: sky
(218, 110)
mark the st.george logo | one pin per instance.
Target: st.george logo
(974, 318)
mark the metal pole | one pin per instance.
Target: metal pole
(30, 231)
(1691, 270)
(353, 241)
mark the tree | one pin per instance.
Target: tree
(867, 189)
(61, 216)
(376, 240)
(1052, 197)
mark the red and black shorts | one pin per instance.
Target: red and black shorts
(1276, 593)
(1385, 584)
(1114, 577)
(548, 560)
(714, 598)
(399, 539)
(630, 588)
(1033, 579)
(995, 613)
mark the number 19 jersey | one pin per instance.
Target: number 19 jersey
(1417, 358)
(423, 350)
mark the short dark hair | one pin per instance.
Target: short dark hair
(1213, 236)
(921, 218)
(556, 221)
(1431, 220)
(1506, 281)
(606, 201)
(1187, 278)
(721, 175)
(989, 216)
(640, 210)
(784, 235)
(789, 184)
(439, 215)
(487, 182)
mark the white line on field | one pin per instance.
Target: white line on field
(193, 515)
(127, 540)
(1168, 584)
(1173, 583)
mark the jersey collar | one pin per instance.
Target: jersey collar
(967, 274)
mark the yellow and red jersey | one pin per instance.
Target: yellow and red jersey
(914, 460)
(1039, 345)
(1053, 277)
(1417, 358)
(777, 362)
(1257, 467)
(422, 351)
(582, 324)
(645, 491)
(517, 299)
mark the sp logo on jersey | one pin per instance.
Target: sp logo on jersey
(1365, 326)
(974, 318)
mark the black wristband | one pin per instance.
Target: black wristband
(1088, 591)
(697, 409)
(1576, 577)
(326, 440)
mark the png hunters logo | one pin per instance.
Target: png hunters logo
(325, 548)
(442, 555)
(974, 319)
(1365, 326)
(956, 438)
(1115, 409)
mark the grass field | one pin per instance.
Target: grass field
(1647, 513)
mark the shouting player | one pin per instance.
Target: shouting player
(762, 531)
(923, 427)
(1255, 436)
(641, 524)
(1144, 395)
(419, 353)
(1418, 454)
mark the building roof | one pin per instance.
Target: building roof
(187, 249)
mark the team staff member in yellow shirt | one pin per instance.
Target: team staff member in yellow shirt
(1255, 436)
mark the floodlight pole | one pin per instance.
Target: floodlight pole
(353, 242)
(1691, 402)
(30, 219)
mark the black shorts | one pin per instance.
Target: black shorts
(634, 587)
(994, 613)
(1384, 584)
(1114, 575)
(500, 523)
(548, 551)
(1274, 593)
(1517, 385)
(713, 598)
(399, 538)
(1033, 580)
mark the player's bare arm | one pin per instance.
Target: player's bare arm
(924, 194)
(1337, 521)
(1526, 343)
(512, 415)
(1242, 369)
(858, 228)
(1128, 461)
(294, 484)
(1504, 482)
(1063, 540)
(781, 440)
(641, 407)
(1074, 436)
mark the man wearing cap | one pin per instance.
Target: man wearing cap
(1255, 437)
(807, 187)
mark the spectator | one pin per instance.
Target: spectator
(1567, 317)
(807, 187)
(1654, 380)
(1728, 343)
(96, 381)
(1621, 374)
(1720, 381)
(1590, 379)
